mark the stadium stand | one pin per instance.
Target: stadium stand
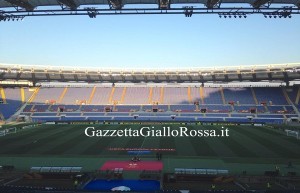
(292, 93)
(270, 96)
(212, 96)
(44, 97)
(131, 93)
(76, 96)
(180, 93)
(101, 95)
(240, 96)
(72, 102)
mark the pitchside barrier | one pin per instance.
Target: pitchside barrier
(196, 171)
(76, 169)
(146, 123)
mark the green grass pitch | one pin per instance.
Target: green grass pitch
(245, 145)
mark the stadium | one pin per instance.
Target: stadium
(66, 129)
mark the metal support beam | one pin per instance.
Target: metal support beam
(32, 77)
(76, 77)
(256, 4)
(269, 76)
(62, 78)
(213, 3)
(240, 77)
(93, 12)
(286, 77)
(115, 4)
(2, 76)
(164, 4)
(69, 3)
(226, 78)
(254, 77)
(18, 75)
(47, 77)
(21, 3)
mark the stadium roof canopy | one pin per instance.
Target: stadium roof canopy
(15, 9)
(255, 73)
(29, 4)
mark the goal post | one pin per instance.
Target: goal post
(8, 131)
(2, 133)
(11, 130)
(292, 133)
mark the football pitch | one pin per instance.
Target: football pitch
(246, 147)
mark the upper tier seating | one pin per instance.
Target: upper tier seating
(195, 95)
(117, 95)
(48, 94)
(75, 95)
(156, 94)
(101, 95)
(270, 96)
(212, 96)
(241, 95)
(176, 95)
(292, 93)
(137, 95)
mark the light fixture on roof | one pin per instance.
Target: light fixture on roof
(233, 15)
(4, 17)
(188, 11)
(91, 11)
(286, 13)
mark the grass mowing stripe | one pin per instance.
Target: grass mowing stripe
(134, 142)
(45, 143)
(63, 143)
(278, 141)
(236, 146)
(80, 146)
(98, 145)
(253, 142)
(151, 142)
(26, 144)
(290, 147)
(201, 146)
(245, 146)
(18, 137)
(259, 137)
(118, 142)
(216, 144)
(168, 143)
(290, 141)
(184, 146)
(28, 131)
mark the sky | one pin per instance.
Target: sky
(150, 41)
